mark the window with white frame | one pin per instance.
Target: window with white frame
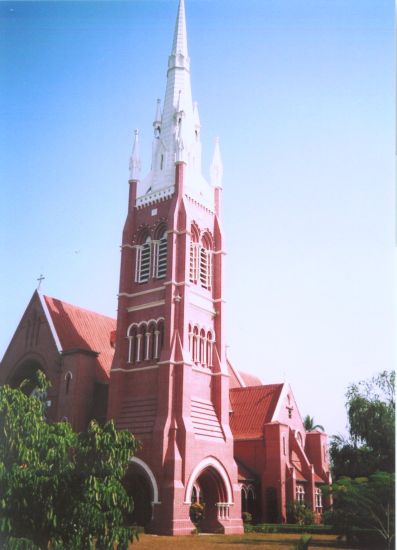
(145, 341)
(143, 260)
(318, 499)
(300, 494)
(194, 255)
(161, 257)
(200, 344)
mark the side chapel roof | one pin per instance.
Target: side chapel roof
(78, 328)
(252, 407)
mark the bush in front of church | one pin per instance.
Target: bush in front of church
(60, 489)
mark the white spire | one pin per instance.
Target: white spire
(216, 167)
(179, 45)
(135, 160)
(177, 126)
(197, 124)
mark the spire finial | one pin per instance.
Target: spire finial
(179, 45)
(157, 120)
(135, 160)
(216, 167)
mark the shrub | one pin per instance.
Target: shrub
(303, 543)
(196, 512)
(246, 517)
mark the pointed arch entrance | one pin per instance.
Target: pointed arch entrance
(141, 484)
(210, 482)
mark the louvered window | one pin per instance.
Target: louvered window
(205, 268)
(193, 262)
(143, 262)
(162, 257)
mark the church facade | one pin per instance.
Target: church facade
(209, 433)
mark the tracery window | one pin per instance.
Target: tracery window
(200, 344)
(200, 268)
(145, 341)
(300, 494)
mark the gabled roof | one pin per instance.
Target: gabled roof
(251, 408)
(78, 328)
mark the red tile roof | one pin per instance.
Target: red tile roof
(79, 328)
(251, 408)
(299, 475)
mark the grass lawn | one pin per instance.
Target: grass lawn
(271, 541)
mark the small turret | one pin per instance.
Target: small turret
(135, 159)
(216, 167)
(157, 120)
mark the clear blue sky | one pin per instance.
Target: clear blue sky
(301, 94)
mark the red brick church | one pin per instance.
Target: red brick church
(208, 431)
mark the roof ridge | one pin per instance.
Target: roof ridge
(45, 296)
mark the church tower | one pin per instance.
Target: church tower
(169, 383)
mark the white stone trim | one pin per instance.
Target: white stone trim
(169, 362)
(151, 477)
(141, 293)
(134, 369)
(172, 282)
(203, 370)
(155, 196)
(201, 466)
(146, 306)
(206, 309)
(50, 321)
(283, 394)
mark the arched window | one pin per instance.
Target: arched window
(68, 379)
(203, 348)
(194, 254)
(143, 261)
(205, 270)
(161, 256)
(132, 343)
(145, 341)
(195, 348)
(300, 494)
(210, 344)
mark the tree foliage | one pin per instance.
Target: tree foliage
(371, 413)
(60, 489)
(364, 503)
(310, 426)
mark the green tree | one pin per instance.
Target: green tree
(310, 426)
(60, 489)
(371, 413)
(366, 503)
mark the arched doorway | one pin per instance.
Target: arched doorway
(210, 485)
(26, 371)
(141, 485)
